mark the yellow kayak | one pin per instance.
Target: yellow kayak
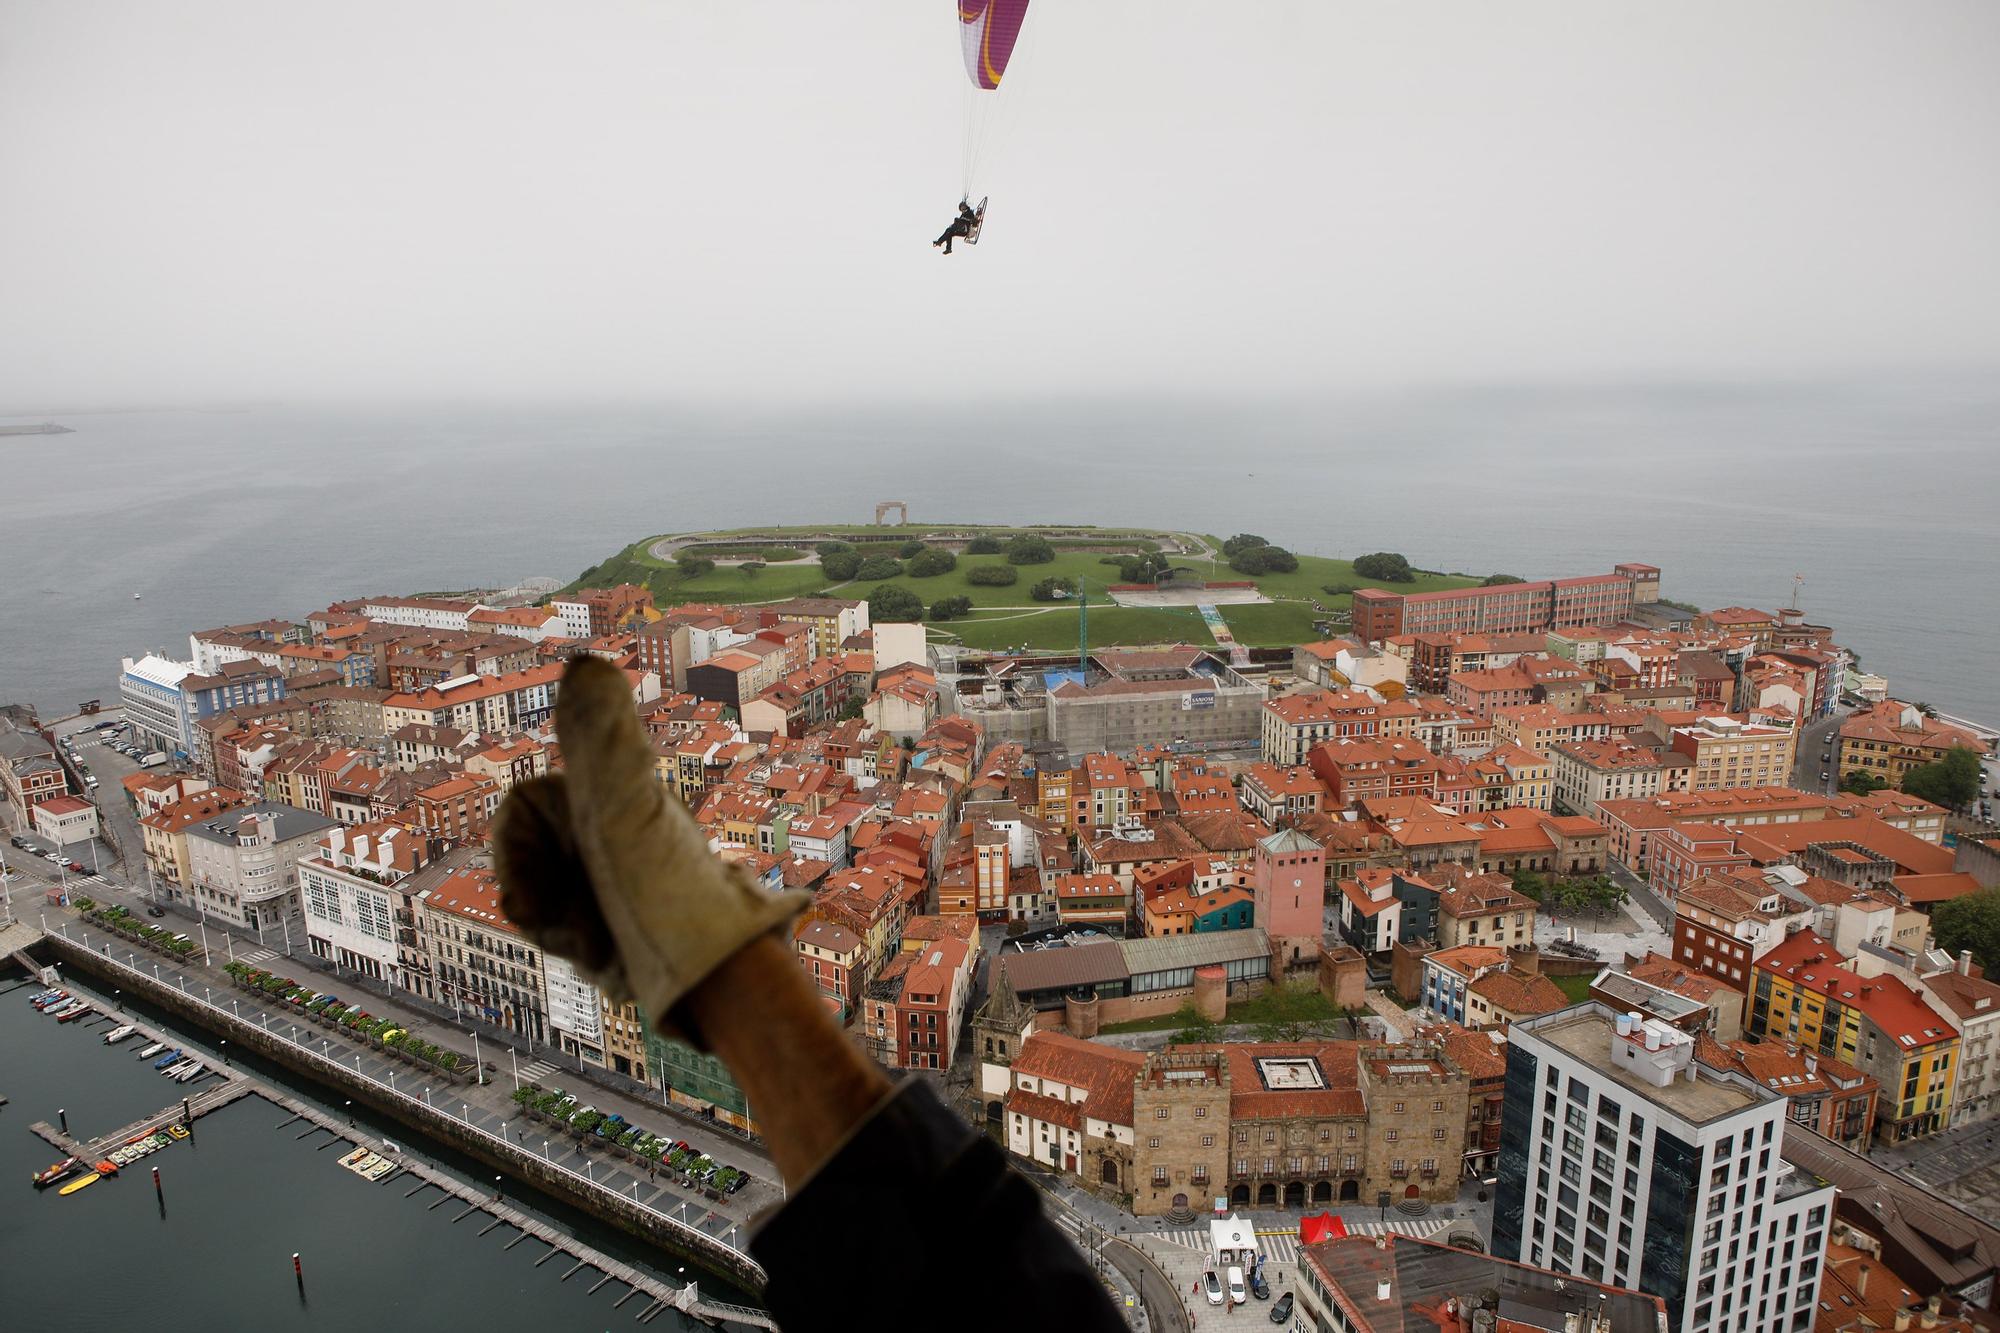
(79, 1183)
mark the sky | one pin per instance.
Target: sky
(733, 200)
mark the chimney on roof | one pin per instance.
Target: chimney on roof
(1930, 1316)
(1902, 1321)
(1861, 1280)
(1965, 962)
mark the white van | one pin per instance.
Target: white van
(1237, 1295)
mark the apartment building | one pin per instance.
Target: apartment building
(1806, 993)
(1724, 753)
(1626, 1160)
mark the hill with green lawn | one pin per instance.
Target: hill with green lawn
(751, 566)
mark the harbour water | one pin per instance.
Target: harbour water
(1880, 495)
(242, 1196)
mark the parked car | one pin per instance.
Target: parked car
(1211, 1285)
(1283, 1309)
(52, 858)
(77, 867)
(1258, 1286)
(1235, 1279)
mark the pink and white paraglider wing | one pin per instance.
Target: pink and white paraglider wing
(987, 30)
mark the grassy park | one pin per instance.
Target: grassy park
(1003, 616)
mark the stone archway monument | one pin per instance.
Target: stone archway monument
(900, 508)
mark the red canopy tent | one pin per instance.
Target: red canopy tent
(1317, 1227)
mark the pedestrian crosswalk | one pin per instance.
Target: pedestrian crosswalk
(1283, 1246)
(537, 1070)
(258, 956)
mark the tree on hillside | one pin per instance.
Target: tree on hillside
(1861, 782)
(983, 546)
(1952, 781)
(878, 567)
(909, 549)
(1145, 568)
(751, 568)
(993, 576)
(830, 548)
(1243, 541)
(1255, 560)
(840, 566)
(891, 603)
(1052, 590)
(1029, 549)
(1970, 922)
(1388, 566)
(950, 608)
(1495, 580)
(693, 564)
(932, 561)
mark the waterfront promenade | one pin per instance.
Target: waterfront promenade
(644, 1297)
(490, 1105)
(484, 1118)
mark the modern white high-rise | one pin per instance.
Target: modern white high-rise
(1625, 1160)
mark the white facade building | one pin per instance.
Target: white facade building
(353, 905)
(149, 689)
(575, 1011)
(420, 612)
(1624, 1160)
(243, 865)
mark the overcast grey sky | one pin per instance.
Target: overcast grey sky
(243, 199)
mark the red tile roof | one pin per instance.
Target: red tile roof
(1810, 962)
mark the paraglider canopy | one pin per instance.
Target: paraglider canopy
(987, 29)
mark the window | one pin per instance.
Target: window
(1153, 1142)
(1159, 1175)
(1399, 1108)
(1208, 1140)
(1201, 1113)
(1437, 1106)
(1438, 1133)
(1324, 1133)
(1160, 1113)
(1392, 1135)
(1199, 1174)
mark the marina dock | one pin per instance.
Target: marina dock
(581, 1261)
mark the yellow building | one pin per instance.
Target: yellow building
(1806, 993)
(1893, 737)
(1724, 753)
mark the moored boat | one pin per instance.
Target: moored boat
(116, 1035)
(48, 999)
(79, 1183)
(194, 1070)
(81, 1011)
(68, 1166)
(43, 996)
(174, 1070)
(69, 1006)
(152, 1050)
(172, 1057)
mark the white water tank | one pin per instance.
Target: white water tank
(1624, 1025)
